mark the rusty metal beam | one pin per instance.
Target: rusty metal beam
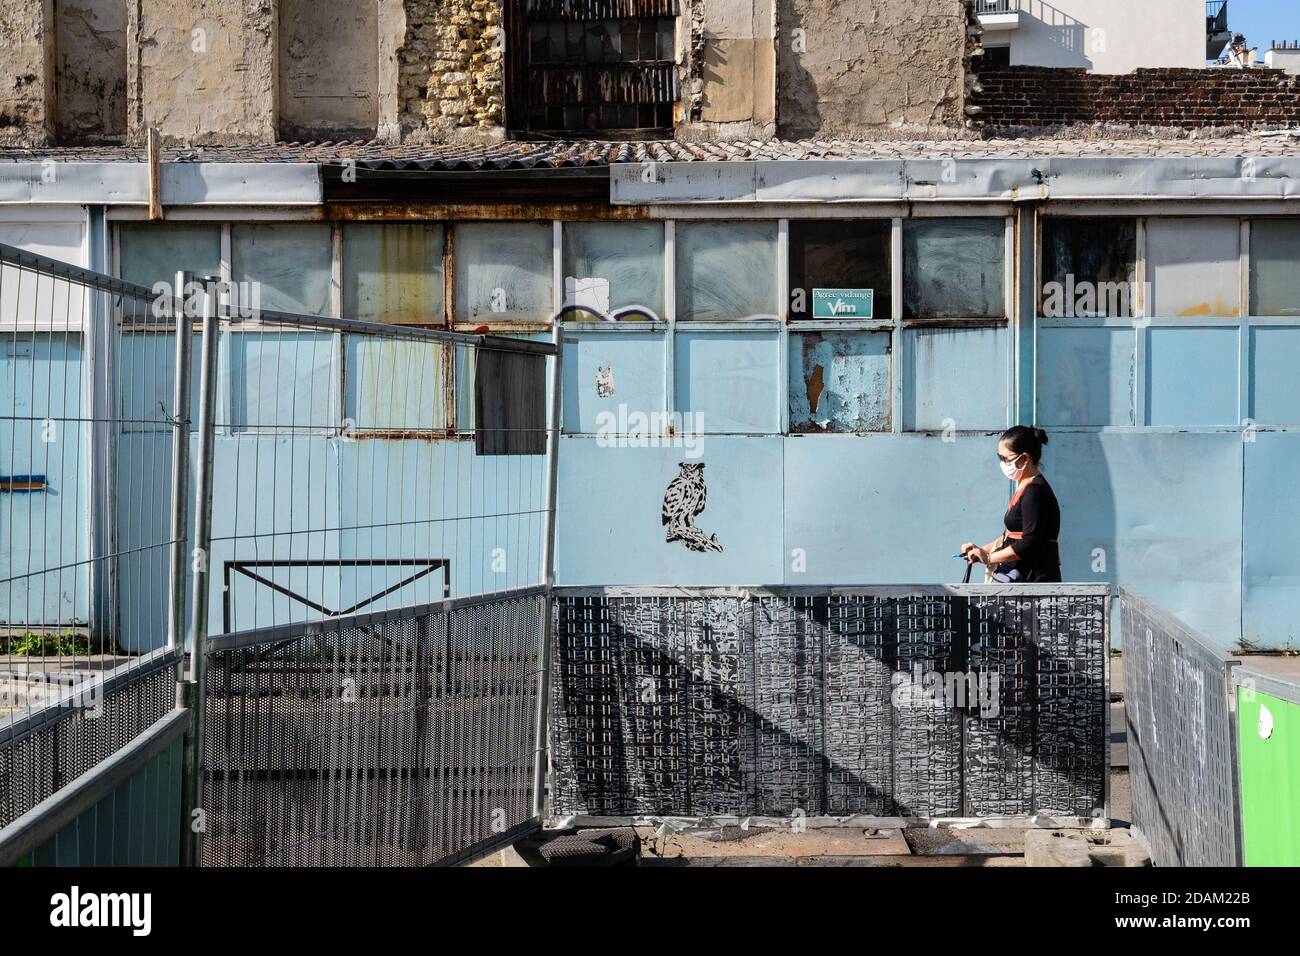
(398, 210)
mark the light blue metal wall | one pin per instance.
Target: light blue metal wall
(43, 530)
(1173, 452)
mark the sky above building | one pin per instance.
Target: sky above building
(1264, 21)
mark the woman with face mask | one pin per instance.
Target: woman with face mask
(1028, 549)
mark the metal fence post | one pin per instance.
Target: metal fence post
(180, 483)
(541, 749)
(200, 571)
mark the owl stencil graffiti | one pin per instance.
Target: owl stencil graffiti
(605, 381)
(684, 499)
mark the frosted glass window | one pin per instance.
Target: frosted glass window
(953, 268)
(614, 264)
(1088, 268)
(503, 272)
(153, 252)
(392, 272)
(726, 270)
(839, 254)
(1274, 278)
(286, 265)
(1194, 267)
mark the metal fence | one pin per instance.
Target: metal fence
(382, 503)
(374, 504)
(917, 703)
(1181, 739)
(402, 738)
(88, 653)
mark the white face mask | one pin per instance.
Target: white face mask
(1011, 471)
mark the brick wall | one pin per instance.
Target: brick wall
(1189, 99)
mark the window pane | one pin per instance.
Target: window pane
(503, 272)
(953, 268)
(1088, 267)
(726, 270)
(392, 272)
(1274, 278)
(614, 264)
(288, 262)
(154, 252)
(839, 254)
(1194, 267)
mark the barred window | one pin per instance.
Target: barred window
(592, 65)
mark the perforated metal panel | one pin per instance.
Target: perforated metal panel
(45, 748)
(406, 740)
(669, 702)
(1182, 757)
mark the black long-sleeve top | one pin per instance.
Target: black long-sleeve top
(1037, 516)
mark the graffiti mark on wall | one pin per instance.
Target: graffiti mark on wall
(684, 500)
(605, 381)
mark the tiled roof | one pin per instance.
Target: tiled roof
(593, 154)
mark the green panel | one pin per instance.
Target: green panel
(137, 824)
(1270, 778)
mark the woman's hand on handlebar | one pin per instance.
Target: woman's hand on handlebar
(974, 554)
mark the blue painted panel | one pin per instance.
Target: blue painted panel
(1192, 376)
(1166, 510)
(1085, 376)
(888, 509)
(423, 499)
(1274, 361)
(274, 499)
(142, 504)
(839, 381)
(146, 365)
(958, 376)
(732, 379)
(1270, 614)
(635, 364)
(282, 380)
(612, 500)
(41, 397)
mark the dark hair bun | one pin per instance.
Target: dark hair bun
(1041, 436)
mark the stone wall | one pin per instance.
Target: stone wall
(450, 82)
(26, 70)
(1032, 96)
(857, 66)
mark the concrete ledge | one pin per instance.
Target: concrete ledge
(1076, 848)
